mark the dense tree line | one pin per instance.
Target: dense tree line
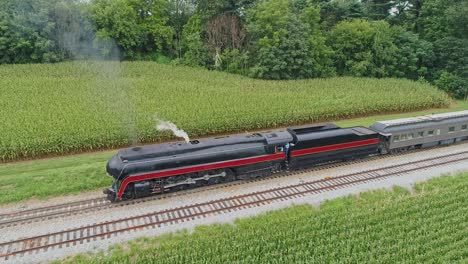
(270, 39)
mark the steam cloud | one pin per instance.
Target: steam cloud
(166, 125)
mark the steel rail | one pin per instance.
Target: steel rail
(89, 205)
(229, 204)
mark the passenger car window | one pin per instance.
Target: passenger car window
(410, 136)
(421, 134)
(403, 137)
(464, 127)
(396, 138)
(451, 129)
(430, 133)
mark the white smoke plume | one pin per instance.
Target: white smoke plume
(166, 125)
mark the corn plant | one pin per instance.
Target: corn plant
(52, 109)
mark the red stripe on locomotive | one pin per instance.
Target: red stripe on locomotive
(315, 150)
(204, 167)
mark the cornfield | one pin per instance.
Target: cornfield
(428, 225)
(51, 109)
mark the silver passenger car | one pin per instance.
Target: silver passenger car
(422, 131)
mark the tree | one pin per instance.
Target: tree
(453, 85)
(280, 42)
(320, 53)
(405, 13)
(439, 19)
(364, 48)
(179, 12)
(137, 26)
(208, 9)
(332, 12)
(384, 51)
(377, 9)
(195, 51)
(352, 46)
(33, 30)
(74, 31)
(452, 55)
(415, 55)
(224, 32)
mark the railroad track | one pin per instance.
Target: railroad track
(199, 210)
(51, 211)
(90, 205)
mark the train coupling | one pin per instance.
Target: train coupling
(111, 195)
(107, 190)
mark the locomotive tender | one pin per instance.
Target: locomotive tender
(147, 170)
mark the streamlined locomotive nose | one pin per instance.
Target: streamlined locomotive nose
(114, 166)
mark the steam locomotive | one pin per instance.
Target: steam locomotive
(168, 167)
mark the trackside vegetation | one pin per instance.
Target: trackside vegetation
(427, 225)
(45, 178)
(51, 109)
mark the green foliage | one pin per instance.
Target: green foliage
(377, 9)
(44, 178)
(375, 49)
(424, 226)
(320, 53)
(453, 84)
(180, 12)
(352, 43)
(287, 44)
(35, 30)
(440, 19)
(333, 12)
(452, 55)
(137, 26)
(71, 107)
(450, 69)
(415, 56)
(196, 53)
(384, 51)
(280, 52)
(235, 61)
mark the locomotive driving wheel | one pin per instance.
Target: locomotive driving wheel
(129, 193)
(229, 176)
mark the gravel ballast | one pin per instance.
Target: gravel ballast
(53, 225)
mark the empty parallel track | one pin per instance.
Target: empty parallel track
(51, 211)
(199, 210)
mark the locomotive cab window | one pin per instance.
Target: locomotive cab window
(278, 149)
(463, 127)
(451, 129)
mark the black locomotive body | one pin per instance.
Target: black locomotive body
(329, 143)
(141, 171)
